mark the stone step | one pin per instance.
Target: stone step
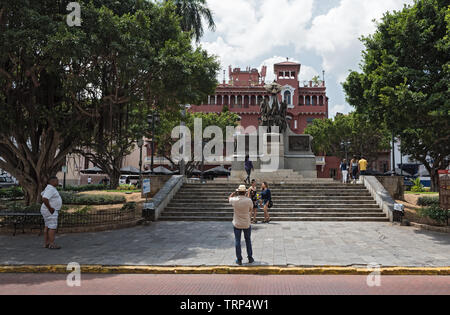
(286, 210)
(279, 214)
(295, 185)
(281, 219)
(311, 209)
(198, 194)
(319, 199)
(276, 206)
(288, 203)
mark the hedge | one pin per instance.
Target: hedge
(428, 201)
(84, 188)
(11, 193)
(70, 198)
(436, 213)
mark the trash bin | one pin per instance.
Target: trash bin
(399, 212)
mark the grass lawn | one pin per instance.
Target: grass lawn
(124, 191)
(421, 193)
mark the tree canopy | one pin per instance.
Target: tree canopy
(350, 135)
(65, 87)
(405, 81)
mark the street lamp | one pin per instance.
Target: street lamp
(140, 144)
(153, 119)
(346, 145)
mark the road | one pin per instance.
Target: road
(221, 285)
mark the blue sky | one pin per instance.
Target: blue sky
(320, 34)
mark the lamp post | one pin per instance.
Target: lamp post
(183, 123)
(346, 145)
(152, 120)
(140, 144)
(393, 153)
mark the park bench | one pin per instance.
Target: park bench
(18, 220)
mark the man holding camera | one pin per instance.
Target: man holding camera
(242, 206)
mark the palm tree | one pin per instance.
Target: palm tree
(192, 12)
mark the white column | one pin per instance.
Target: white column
(209, 99)
(215, 100)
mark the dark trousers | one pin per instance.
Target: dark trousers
(249, 174)
(248, 242)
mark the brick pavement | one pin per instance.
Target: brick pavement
(47, 284)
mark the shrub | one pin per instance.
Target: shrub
(129, 206)
(20, 207)
(70, 198)
(11, 193)
(84, 188)
(428, 201)
(436, 213)
(418, 187)
(126, 187)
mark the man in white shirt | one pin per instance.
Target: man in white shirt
(241, 222)
(51, 204)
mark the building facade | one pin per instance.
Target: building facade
(244, 92)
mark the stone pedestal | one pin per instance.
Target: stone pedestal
(293, 153)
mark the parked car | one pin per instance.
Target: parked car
(6, 182)
(129, 179)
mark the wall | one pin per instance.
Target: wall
(394, 185)
(157, 182)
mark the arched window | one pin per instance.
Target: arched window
(287, 97)
(308, 100)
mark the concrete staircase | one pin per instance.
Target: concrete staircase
(302, 201)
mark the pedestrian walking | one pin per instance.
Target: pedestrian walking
(363, 166)
(344, 171)
(51, 204)
(242, 206)
(89, 180)
(355, 167)
(253, 195)
(266, 197)
(248, 168)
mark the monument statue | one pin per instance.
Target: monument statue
(272, 112)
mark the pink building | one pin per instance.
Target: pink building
(245, 91)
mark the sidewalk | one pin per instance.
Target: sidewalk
(212, 244)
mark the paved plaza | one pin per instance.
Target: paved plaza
(212, 243)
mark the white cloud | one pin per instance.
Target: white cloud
(249, 31)
(343, 109)
(335, 35)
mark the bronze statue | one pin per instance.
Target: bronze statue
(272, 112)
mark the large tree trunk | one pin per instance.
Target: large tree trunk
(434, 180)
(32, 166)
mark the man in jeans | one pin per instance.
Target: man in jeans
(241, 222)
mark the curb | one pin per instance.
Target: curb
(227, 270)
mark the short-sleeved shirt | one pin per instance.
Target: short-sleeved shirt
(266, 195)
(52, 194)
(242, 207)
(363, 165)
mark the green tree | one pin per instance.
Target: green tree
(138, 62)
(40, 118)
(192, 14)
(170, 120)
(405, 81)
(62, 88)
(358, 133)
